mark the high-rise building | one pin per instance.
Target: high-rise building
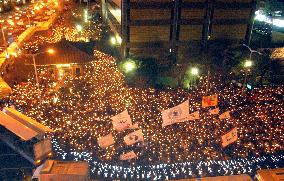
(169, 27)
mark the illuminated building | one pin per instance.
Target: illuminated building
(161, 28)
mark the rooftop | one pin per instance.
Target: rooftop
(65, 53)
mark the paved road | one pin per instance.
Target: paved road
(17, 21)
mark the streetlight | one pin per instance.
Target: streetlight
(113, 40)
(49, 51)
(79, 27)
(86, 15)
(116, 40)
(129, 66)
(251, 51)
(247, 65)
(194, 71)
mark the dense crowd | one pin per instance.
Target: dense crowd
(79, 110)
(15, 23)
(73, 25)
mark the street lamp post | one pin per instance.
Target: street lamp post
(35, 69)
(247, 65)
(193, 72)
(5, 43)
(129, 66)
(3, 36)
(50, 51)
(251, 51)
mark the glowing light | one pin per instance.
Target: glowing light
(55, 100)
(79, 27)
(194, 71)
(62, 65)
(260, 16)
(118, 39)
(50, 51)
(278, 22)
(113, 40)
(129, 66)
(248, 63)
(38, 162)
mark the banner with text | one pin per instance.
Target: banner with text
(134, 137)
(208, 101)
(230, 137)
(121, 121)
(175, 114)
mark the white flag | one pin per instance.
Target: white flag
(230, 137)
(106, 141)
(134, 137)
(134, 126)
(214, 111)
(175, 114)
(225, 115)
(193, 116)
(121, 121)
(128, 156)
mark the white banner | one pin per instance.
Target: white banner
(134, 126)
(225, 115)
(214, 111)
(175, 114)
(193, 116)
(134, 137)
(106, 141)
(128, 156)
(121, 121)
(230, 137)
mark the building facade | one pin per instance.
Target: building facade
(67, 60)
(165, 27)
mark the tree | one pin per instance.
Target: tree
(274, 5)
(268, 70)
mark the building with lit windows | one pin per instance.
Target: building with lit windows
(162, 28)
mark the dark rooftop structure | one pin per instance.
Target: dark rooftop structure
(64, 53)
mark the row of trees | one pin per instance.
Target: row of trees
(221, 58)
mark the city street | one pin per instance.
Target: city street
(207, 113)
(15, 22)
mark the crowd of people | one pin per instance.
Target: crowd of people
(80, 108)
(73, 25)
